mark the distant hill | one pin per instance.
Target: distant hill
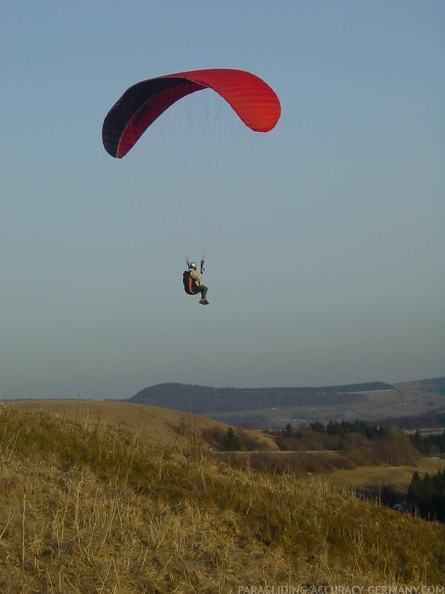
(434, 385)
(204, 400)
(275, 407)
(256, 407)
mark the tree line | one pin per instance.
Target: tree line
(426, 496)
(430, 444)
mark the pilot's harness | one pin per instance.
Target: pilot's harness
(190, 286)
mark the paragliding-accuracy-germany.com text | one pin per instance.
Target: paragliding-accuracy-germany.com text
(378, 589)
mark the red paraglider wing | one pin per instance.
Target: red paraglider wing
(251, 98)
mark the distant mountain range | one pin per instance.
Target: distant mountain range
(275, 407)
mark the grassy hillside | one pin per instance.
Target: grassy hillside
(170, 427)
(86, 507)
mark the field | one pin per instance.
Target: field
(374, 478)
(88, 506)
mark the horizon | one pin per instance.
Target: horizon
(257, 388)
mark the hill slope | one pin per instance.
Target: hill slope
(88, 508)
(161, 425)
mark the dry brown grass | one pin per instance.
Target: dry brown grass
(86, 508)
(148, 422)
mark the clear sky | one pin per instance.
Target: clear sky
(327, 256)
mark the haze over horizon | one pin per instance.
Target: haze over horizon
(326, 262)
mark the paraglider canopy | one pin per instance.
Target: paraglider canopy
(253, 100)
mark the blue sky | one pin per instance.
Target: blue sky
(326, 263)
